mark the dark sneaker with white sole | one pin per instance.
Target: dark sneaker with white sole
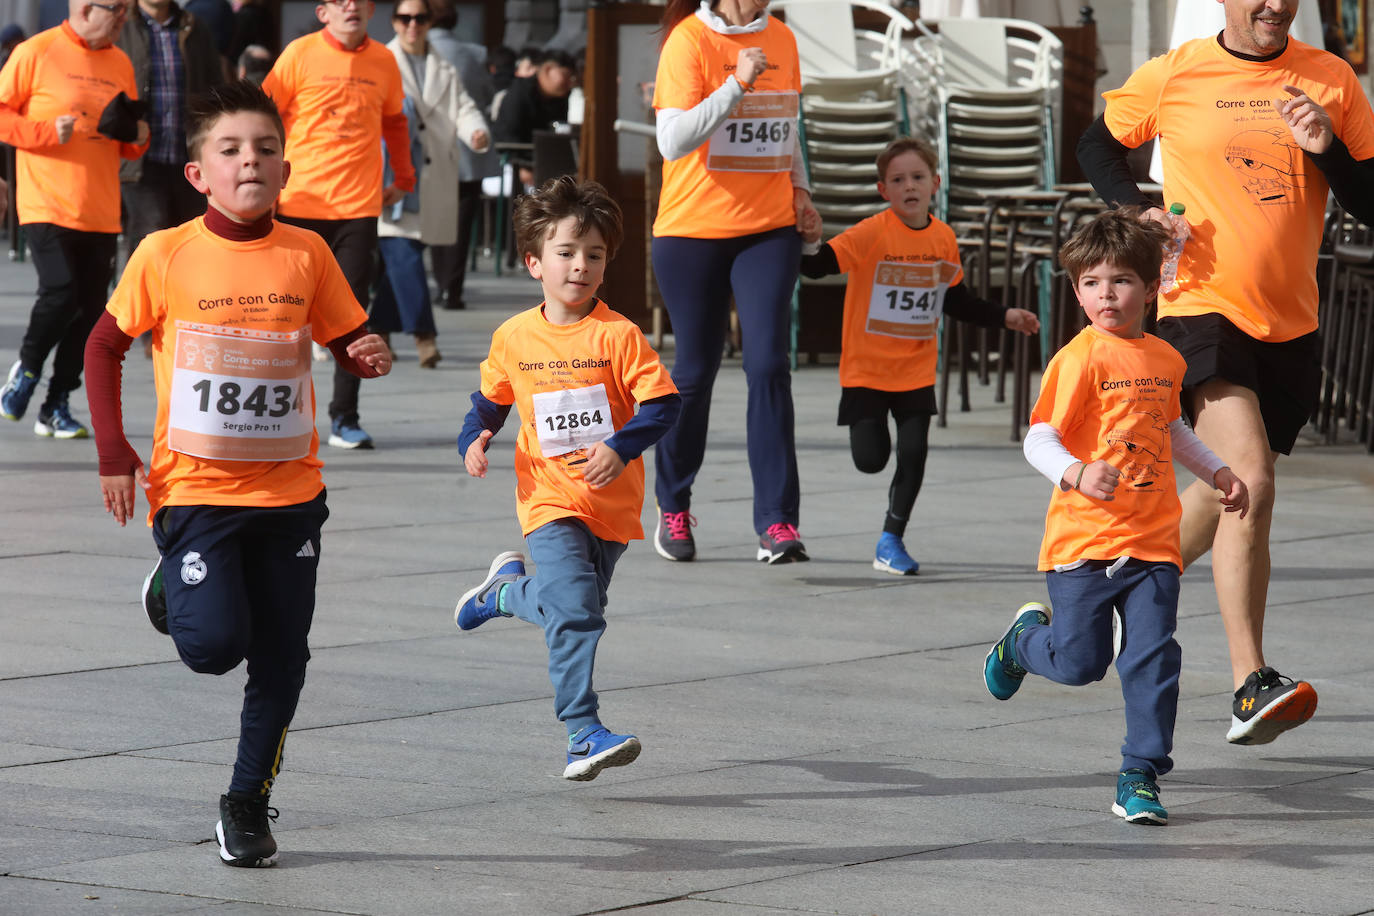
(245, 837)
(673, 536)
(1137, 799)
(781, 543)
(1267, 705)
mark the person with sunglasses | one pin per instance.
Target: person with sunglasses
(340, 96)
(66, 105)
(442, 116)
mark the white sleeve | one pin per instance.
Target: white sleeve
(1046, 453)
(1193, 453)
(799, 179)
(681, 130)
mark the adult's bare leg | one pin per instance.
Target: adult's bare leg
(1228, 419)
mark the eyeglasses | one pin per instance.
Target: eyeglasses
(357, 4)
(408, 18)
(118, 10)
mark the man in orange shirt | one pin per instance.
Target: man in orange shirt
(1254, 128)
(340, 95)
(60, 107)
(1105, 431)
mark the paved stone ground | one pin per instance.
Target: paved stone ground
(817, 737)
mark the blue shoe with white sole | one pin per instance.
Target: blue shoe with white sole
(595, 748)
(482, 603)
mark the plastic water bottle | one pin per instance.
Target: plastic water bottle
(1173, 249)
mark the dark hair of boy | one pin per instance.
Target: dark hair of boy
(558, 58)
(1116, 237)
(203, 110)
(901, 145)
(537, 215)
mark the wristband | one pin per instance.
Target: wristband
(1082, 466)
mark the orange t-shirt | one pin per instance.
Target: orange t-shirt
(1113, 399)
(573, 386)
(73, 184)
(333, 102)
(898, 277)
(738, 182)
(232, 324)
(1255, 201)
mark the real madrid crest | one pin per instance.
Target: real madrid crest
(192, 569)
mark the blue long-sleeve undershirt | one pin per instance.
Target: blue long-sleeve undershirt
(655, 417)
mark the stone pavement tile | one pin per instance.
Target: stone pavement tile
(23, 848)
(59, 898)
(391, 869)
(1017, 876)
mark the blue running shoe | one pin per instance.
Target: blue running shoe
(483, 603)
(1001, 674)
(1137, 799)
(892, 557)
(55, 419)
(594, 748)
(18, 390)
(344, 434)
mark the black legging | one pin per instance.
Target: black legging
(870, 443)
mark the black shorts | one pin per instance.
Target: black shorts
(871, 404)
(1285, 376)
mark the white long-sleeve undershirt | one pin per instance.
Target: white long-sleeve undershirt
(1045, 451)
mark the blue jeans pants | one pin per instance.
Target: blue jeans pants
(1076, 647)
(240, 585)
(566, 598)
(402, 302)
(696, 277)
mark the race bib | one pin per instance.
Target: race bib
(571, 418)
(241, 395)
(757, 136)
(907, 299)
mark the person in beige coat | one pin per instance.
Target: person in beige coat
(442, 115)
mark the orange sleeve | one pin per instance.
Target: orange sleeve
(336, 311)
(396, 133)
(15, 82)
(852, 246)
(496, 386)
(644, 374)
(134, 304)
(1357, 121)
(1061, 395)
(680, 82)
(1133, 110)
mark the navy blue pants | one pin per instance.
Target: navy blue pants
(1076, 648)
(696, 277)
(241, 586)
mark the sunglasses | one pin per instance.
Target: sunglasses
(408, 18)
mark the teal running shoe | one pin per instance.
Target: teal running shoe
(1001, 673)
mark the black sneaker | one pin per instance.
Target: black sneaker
(1267, 705)
(155, 598)
(245, 838)
(781, 543)
(673, 536)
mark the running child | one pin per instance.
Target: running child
(1105, 431)
(904, 272)
(235, 497)
(574, 370)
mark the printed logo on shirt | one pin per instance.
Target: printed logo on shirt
(1268, 163)
(193, 569)
(1140, 441)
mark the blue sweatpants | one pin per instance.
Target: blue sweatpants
(1076, 647)
(566, 598)
(240, 584)
(402, 302)
(696, 277)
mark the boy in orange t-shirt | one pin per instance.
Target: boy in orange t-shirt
(574, 370)
(235, 498)
(1105, 430)
(904, 271)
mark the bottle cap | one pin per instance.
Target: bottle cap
(1177, 208)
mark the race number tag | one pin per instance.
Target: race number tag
(757, 136)
(572, 418)
(241, 395)
(907, 299)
